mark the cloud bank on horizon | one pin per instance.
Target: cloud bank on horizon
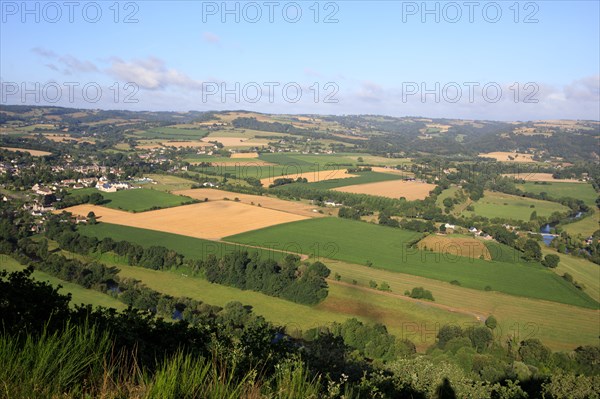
(469, 60)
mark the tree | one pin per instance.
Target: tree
(533, 352)
(448, 203)
(446, 333)
(384, 287)
(96, 199)
(551, 261)
(442, 228)
(91, 216)
(491, 322)
(533, 215)
(532, 250)
(481, 337)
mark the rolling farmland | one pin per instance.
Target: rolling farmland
(500, 205)
(359, 242)
(136, 200)
(210, 220)
(411, 190)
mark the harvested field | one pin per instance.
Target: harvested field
(245, 155)
(148, 146)
(504, 156)
(455, 245)
(294, 207)
(35, 153)
(59, 138)
(210, 220)
(540, 177)
(239, 164)
(411, 190)
(316, 176)
(381, 169)
(236, 141)
(183, 144)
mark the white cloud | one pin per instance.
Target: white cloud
(151, 73)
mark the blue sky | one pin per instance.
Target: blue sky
(536, 60)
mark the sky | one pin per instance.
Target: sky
(503, 60)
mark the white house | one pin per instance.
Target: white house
(449, 226)
(106, 187)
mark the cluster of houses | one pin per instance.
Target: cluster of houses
(109, 187)
(478, 233)
(450, 228)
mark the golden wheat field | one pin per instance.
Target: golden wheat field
(245, 155)
(294, 207)
(35, 153)
(540, 177)
(504, 156)
(210, 220)
(457, 246)
(318, 175)
(236, 141)
(381, 169)
(411, 190)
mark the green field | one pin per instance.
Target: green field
(582, 191)
(194, 248)
(503, 253)
(219, 159)
(169, 183)
(584, 227)
(500, 205)
(562, 327)
(359, 242)
(362, 178)
(447, 193)
(137, 200)
(582, 270)
(341, 303)
(79, 294)
(173, 133)
(343, 160)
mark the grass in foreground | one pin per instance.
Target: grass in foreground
(79, 362)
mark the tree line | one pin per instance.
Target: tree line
(289, 278)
